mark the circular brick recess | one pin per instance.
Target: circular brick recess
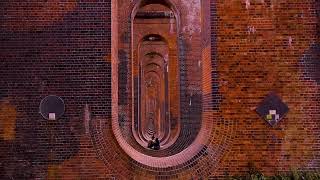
(52, 104)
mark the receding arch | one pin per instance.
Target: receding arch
(154, 37)
(153, 64)
(140, 3)
(153, 53)
(150, 61)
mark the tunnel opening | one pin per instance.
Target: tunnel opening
(155, 73)
(154, 94)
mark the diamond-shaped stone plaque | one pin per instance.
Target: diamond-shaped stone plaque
(272, 109)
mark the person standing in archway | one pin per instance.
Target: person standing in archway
(156, 145)
(151, 142)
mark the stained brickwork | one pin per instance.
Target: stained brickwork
(231, 55)
(262, 48)
(58, 48)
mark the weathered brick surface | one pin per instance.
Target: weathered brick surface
(245, 50)
(265, 47)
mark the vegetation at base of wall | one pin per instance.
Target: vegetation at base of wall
(254, 174)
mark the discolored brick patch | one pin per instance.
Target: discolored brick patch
(8, 117)
(33, 15)
(310, 64)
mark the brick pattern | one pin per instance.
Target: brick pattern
(58, 48)
(260, 46)
(247, 50)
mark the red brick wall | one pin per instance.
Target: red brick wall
(64, 48)
(251, 64)
(58, 48)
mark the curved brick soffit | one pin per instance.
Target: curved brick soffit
(209, 146)
(136, 3)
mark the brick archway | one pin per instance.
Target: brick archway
(186, 149)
